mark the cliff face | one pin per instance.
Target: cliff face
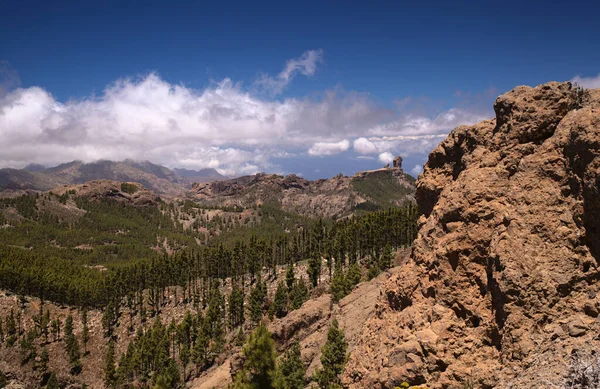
(502, 287)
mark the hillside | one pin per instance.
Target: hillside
(337, 197)
(155, 177)
(501, 289)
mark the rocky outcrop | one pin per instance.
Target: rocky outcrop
(127, 192)
(502, 286)
(338, 196)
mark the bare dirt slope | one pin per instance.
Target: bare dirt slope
(502, 287)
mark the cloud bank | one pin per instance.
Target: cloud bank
(223, 126)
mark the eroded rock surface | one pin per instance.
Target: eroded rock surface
(502, 285)
(132, 193)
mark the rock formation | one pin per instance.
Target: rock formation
(338, 196)
(502, 286)
(128, 192)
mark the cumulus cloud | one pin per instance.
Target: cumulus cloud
(329, 148)
(306, 65)
(222, 126)
(364, 146)
(386, 157)
(587, 82)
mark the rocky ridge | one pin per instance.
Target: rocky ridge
(338, 196)
(131, 193)
(502, 287)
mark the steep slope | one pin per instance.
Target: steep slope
(502, 287)
(337, 197)
(308, 325)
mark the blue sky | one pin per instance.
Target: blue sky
(315, 88)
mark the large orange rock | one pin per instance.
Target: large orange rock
(502, 286)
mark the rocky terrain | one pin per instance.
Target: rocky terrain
(128, 192)
(337, 197)
(155, 177)
(502, 286)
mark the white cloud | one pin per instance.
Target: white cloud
(305, 65)
(587, 82)
(222, 126)
(421, 125)
(364, 146)
(386, 157)
(416, 170)
(329, 148)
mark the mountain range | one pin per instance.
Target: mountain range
(154, 177)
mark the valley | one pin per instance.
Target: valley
(483, 273)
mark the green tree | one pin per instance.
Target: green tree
(314, 269)
(298, 294)
(72, 346)
(353, 275)
(291, 369)
(333, 358)
(85, 332)
(236, 307)
(256, 301)
(281, 300)
(110, 374)
(338, 287)
(259, 365)
(385, 262)
(290, 277)
(55, 325)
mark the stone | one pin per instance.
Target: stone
(506, 259)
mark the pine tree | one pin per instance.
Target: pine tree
(281, 300)
(236, 307)
(291, 369)
(72, 346)
(333, 358)
(338, 287)
(385, 262)
(110, 376)
(314, 270)
(85, 332)
(55, 325)
(353, 275)
(259, 365)
(290, 277)
(298, 294)
(256, 301)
